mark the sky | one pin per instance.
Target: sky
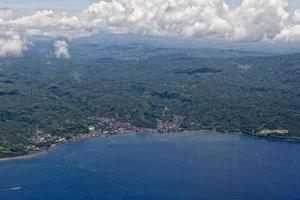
(77, 5)
(33, 5)
(233, 20)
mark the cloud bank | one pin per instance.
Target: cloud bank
(61, 49)
(252, 20)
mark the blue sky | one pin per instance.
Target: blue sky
(32, 5)
(76, 5)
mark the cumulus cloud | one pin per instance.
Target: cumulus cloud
(48, 23)
(12, 45)
(291, 33)
(259, 19)
(252, 20)
(61, 49)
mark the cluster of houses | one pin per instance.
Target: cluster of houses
(42, 140)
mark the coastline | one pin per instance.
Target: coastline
(96, 134)
(27, 155)
(73, 139)
(92, 135)
(280, 138)
(45, 149)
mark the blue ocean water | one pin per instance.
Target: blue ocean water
(153, 167)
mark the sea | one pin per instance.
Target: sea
(174, 166)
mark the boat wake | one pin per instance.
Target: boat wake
(11, 189)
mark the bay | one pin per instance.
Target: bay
(198, 165)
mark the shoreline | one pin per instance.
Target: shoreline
(90, 136)
(45, 149)
(149, 131)
(73, 139)
(27, 155)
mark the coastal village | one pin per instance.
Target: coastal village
(42, 141)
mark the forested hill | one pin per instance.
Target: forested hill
(145, 87)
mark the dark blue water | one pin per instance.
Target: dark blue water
(192, 166)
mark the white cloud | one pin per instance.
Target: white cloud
(291, 33)
(12, 45)
(297, 15)
(46, 22)
(259, 19)
(252, 20)
(61, 49)
(160, 17)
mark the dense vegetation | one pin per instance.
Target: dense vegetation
(39, 93)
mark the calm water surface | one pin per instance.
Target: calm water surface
(173, 166)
